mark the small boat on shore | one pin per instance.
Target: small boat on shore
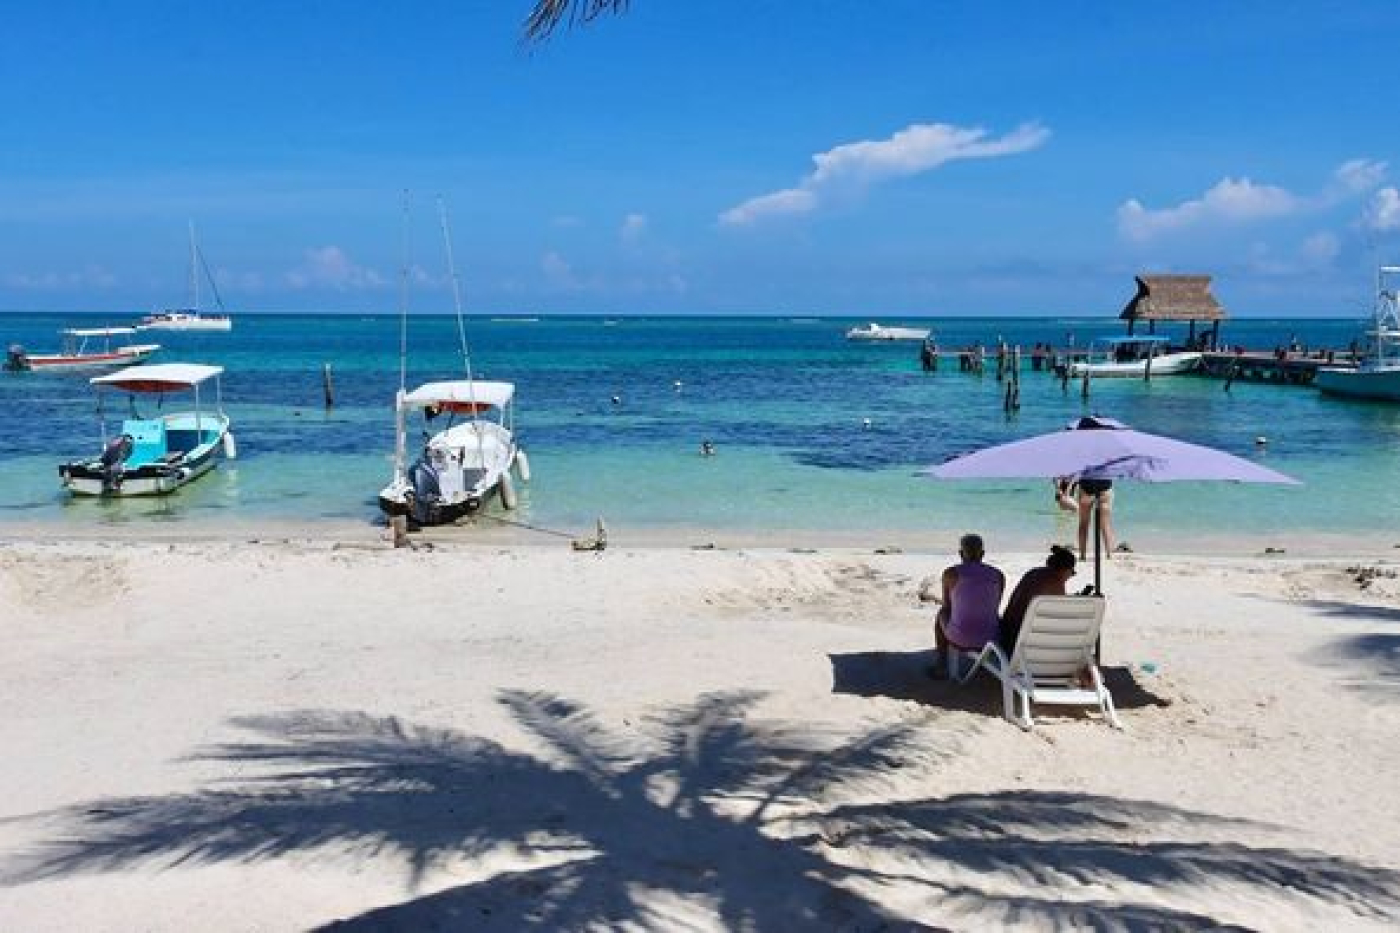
(466, 463)
(463, 465)
(1378, 374)
(83, 348)
(1130, 357)
(154, 456)
(873, 331)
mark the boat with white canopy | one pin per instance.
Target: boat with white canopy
(468, 461)
(1130, 357)
(463, 464)
(152, 456)
(1378, 375)
(83, 348)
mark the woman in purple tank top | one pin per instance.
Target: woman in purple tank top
(972, 592)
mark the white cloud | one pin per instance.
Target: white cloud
(90, 277)
(1230, 201)
(1235, 201)
(633, 227)
(1382, 214)
(918, 148)
(330, 267)
(1357, 176)
(1321, 248)
(557, 271)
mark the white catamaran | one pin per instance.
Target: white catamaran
(192, 318)
(1378, 375)
(465, 463)
(154, 456)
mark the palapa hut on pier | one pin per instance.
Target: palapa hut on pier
(1175, 298)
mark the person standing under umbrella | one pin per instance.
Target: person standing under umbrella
(1092, 491)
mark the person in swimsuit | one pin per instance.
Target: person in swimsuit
(1088, 490)
(972, 592)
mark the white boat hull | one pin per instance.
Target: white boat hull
(121, 356)
(1382, 384)
(1168, 364)
(206, 324)
(156, 478)
(459, 472)
(876, 333)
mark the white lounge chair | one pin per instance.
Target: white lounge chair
(1055, 647)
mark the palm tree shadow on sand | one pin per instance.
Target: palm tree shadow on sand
(705, 811)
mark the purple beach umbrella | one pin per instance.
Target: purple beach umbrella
(1101, 448)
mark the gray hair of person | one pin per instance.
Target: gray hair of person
(971, 545)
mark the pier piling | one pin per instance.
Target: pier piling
(328, 385)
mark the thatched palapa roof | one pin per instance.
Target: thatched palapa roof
(1173, 298)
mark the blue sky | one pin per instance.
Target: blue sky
(710, 156)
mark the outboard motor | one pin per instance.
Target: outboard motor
(16, 361)
(113, 456)
(426, 491)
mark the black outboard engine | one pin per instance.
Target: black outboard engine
(113, 456)
(427, 493)
(16, 361)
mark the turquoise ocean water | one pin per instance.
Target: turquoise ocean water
(783, 399)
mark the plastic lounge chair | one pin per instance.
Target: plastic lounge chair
(1055, 647)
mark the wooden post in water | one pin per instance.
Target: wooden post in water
(1230, 377)
(328, 385)
(1085, 390)
(1147, 368)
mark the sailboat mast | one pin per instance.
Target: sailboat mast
(194, 271)
(461, 326)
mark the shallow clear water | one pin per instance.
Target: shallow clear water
(783, 400)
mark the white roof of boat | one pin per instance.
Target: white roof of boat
(145, 378)
(97, 331)
(495, 394)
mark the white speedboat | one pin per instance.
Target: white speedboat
(192, 318)
(1378, 375)
(462, 465)
(83, 348)
(157, 455)
(873, 331)
(185, 320)
(1130, 357)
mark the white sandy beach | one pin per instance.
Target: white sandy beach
(282, 735)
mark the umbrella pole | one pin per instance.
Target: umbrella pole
(1098, 541)
(1098, 570)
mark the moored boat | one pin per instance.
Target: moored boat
(1130, 357)
(463, 465)
(154, 456)
(83, 348)
(466, 463)
(185, 320)
(873, 331)
(1378, 374)
(191, 318)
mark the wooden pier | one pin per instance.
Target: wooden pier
(1284, 368)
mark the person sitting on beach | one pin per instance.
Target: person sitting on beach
(972, 592)
(1049, 580)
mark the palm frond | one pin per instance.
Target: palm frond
(549, 15)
